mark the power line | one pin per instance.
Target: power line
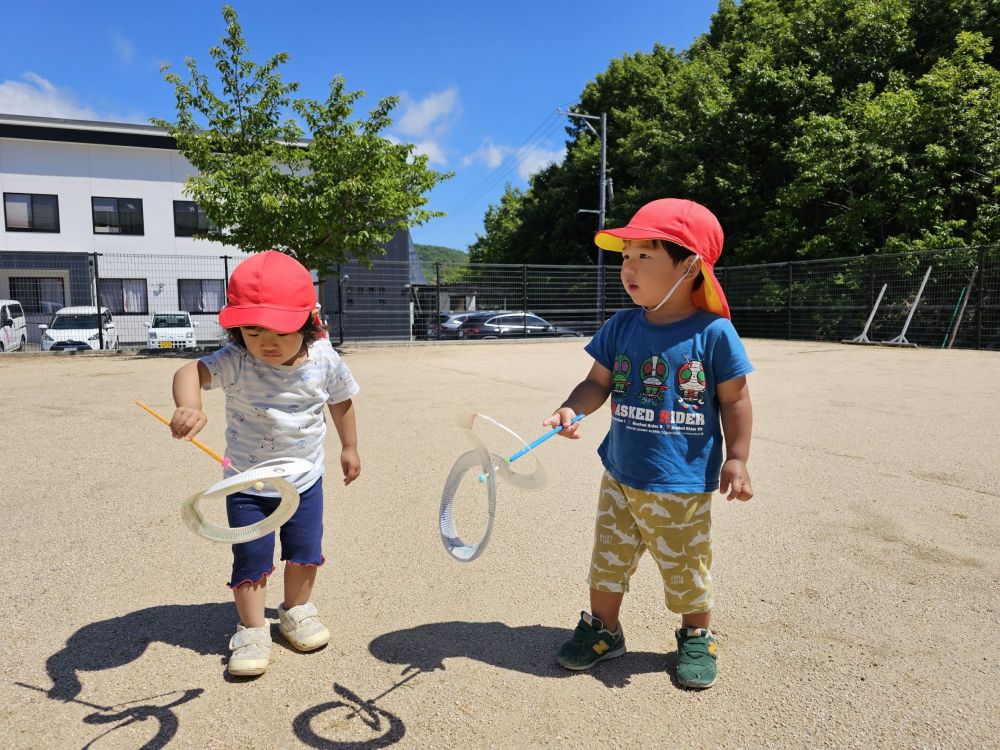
(512, 161)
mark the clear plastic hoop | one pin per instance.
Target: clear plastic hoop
(488, 466)
(275, 473)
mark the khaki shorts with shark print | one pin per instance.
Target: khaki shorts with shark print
(677, 531)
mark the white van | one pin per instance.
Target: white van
(172, 330)
(13, 326)
(77, 328)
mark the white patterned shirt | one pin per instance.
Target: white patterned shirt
(277, 411)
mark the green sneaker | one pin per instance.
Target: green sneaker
(696, 657)
(591, 643)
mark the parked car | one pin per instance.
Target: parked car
(79, 328)
(13, 326)
(493, 325)
(449, 323)
(172, 330)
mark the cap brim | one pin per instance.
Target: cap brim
(709, 296)
(282, 321)
(614, 239)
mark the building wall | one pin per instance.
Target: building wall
(78, 172)
(379, 305)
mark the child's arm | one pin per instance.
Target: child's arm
(188, 418)
(588, 396)
(737, 423)
(347, 430)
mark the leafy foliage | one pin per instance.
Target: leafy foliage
(430, 254)
(341, 194)
(812, 128)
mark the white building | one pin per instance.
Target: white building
(97, 209)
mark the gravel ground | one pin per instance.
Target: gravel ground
(858, 593)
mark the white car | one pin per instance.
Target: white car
(13, 328)
(172, 330)
(80, 329)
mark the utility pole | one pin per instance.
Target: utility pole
(604, 183)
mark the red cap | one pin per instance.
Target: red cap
(685, 223)
(270, 290)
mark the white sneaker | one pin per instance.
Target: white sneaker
(302, 628)
(251, 651)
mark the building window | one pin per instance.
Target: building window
(31, 213)
(117, 215)
(38, 295)
(190, 219)
(201, 295)
(124, 295)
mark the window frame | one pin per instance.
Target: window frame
(199, 212)
(180, 297)
(31, 213)
(17, 281)
(123, 312)
(118, 212)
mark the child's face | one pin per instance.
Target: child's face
(648, 273)
(272, 347)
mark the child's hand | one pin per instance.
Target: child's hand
(563, 417)
(187, 422)
(350, 462)
(735, 479)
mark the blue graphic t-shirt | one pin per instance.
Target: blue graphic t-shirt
(665, 431)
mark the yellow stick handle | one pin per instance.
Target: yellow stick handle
(166, 421)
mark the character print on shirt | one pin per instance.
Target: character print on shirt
(619, 375)
(301, 444)
(294, 408)
(252, 459)
(234, 435)
(238, 417)
(691, 385)
(268, 442)
(260, 412)
(270, 394)
(653, 372)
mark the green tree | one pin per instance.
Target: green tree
(335, 191)
(812, 128)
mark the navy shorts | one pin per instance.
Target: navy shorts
(301, 535)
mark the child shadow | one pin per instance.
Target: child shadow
(202, 628)
(529, 649)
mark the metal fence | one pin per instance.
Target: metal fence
(819, 300)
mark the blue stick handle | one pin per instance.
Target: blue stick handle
(538, 441)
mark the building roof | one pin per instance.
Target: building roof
(25, 127)
(137, 135)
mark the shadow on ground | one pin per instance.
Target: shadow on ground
(529, 649)
(202, 628)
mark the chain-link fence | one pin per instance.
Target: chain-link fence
(935, 298)
(957, 300)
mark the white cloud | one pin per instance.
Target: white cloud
(429, 116)
(532, 158)
(528, 158)
(489, 154)
(38, 96)
(433, 152)
(123, 48)
(424, 122)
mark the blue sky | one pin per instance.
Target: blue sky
(479, 82)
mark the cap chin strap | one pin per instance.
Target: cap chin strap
(693, 264)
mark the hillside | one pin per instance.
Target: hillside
(431, 254)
